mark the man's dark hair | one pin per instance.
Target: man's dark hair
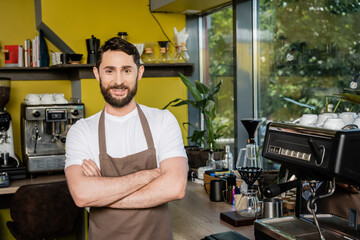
(118, 44)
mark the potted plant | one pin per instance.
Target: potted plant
(204, 102)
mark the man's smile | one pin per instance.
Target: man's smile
(119, 90)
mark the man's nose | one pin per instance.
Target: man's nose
(119, 78)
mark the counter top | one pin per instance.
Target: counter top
(15, 184)
(195, 216)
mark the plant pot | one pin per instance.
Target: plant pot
(193, 154)
(199, 156)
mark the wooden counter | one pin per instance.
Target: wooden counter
(192, 218)
(15, 184)
(195, 216)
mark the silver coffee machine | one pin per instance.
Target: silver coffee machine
(43, 134)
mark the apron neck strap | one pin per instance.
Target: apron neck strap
(146, 127)
(144, 124)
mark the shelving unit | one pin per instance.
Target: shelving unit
(84, 71)
(76, 72)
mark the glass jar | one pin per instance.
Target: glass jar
(148, 55)
(181, 54)
(164, 56)
(249, 204)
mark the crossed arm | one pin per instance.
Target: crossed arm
(143, 189)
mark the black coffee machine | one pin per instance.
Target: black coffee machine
(9, 162)
(315, 156)
(92, 45)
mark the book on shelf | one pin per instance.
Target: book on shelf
(27, 53)
(36, 52)
(13, 55)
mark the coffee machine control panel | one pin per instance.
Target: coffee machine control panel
(53, 113)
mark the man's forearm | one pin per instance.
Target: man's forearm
(169, 186)
(102, 191)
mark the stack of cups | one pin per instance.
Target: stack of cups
(331, 121)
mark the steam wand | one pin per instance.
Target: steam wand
(311, 203)
(36, 137)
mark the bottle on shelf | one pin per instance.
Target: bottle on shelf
(211, 162)
(227, 157)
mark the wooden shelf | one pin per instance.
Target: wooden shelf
(84, 71)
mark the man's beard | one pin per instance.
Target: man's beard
(115, 102)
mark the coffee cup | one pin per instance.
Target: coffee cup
(59, 98)
(308, 119)
(272, 208)
(32, 99)
(47, 99)
(322, 118)
(348, 117)
(357, 122)
(217, 186)
(334, 123)
(228, 194)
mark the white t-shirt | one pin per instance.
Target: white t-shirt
(124, 136)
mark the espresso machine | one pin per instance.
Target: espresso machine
(43, 134)
(9, 162)
(315, 156)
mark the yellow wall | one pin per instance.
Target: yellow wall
(73, 22)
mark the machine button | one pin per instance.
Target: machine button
(277, 150)
(271, 149)
(36, 114)
(306, 157)
(75, 112)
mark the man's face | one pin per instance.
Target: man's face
(118, 76)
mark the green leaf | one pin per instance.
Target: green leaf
(186, 102)
(192, 89)
(202, 88)
(176, 100)
(210, 109)
(220, 128)
(353, 98)
(214, 91)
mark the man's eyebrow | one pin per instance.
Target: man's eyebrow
(126, 67)
(110, 67)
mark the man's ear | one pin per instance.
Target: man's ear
(141, 72)
(96, 73)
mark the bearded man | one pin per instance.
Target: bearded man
(128, 161)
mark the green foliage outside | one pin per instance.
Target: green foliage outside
(309, 53)
(220, 52)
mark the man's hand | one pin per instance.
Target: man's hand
(90, 168)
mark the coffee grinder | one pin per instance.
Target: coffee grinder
(9, 162)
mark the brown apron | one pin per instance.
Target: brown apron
(128, 224)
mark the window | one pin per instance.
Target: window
(309, 51)
(217, 65)
(302, 54)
